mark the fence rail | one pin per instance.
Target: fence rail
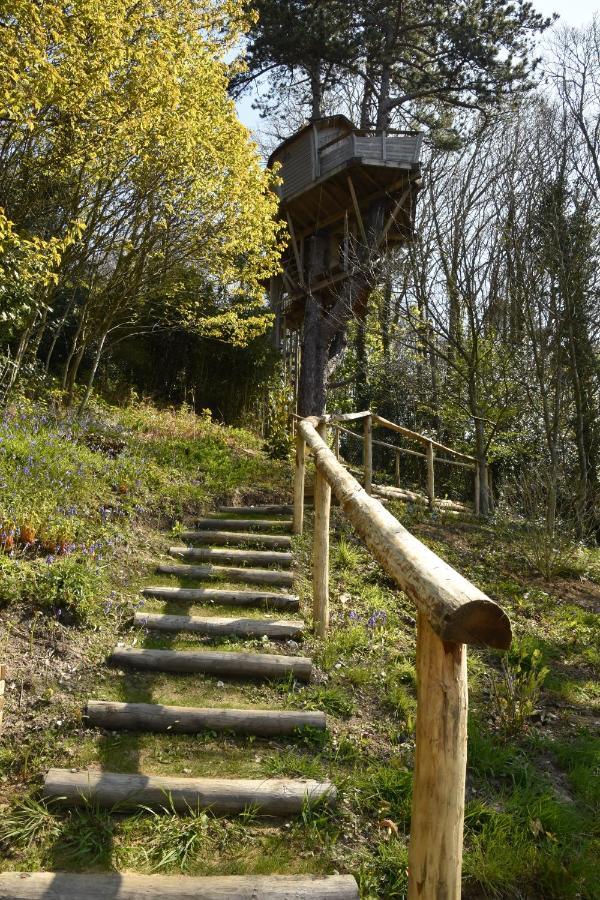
(451, 613)
(453, 458)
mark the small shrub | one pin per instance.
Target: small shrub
(515, 692)
(68, 586)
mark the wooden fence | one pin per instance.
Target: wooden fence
(430, 454)
(451, 613)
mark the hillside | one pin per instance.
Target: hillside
(90, 506)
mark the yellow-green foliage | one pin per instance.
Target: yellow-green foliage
(124, 106)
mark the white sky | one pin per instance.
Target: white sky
(571, 12)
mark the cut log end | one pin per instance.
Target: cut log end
(479, 623)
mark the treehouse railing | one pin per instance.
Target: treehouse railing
(431, 449)
(451, 613)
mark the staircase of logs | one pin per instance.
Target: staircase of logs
(256, 553)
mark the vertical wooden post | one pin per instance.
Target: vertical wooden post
(321, 549)
(336, 442)
(430, 475)
(477, 498)
(397, 469)
(368, 454)
(2, 684)
(298, 519)
(438, 806)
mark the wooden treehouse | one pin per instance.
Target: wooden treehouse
(332, 173)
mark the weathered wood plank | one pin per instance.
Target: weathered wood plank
(222, 796)
(224, 598)
(221, 625)
(215, 662)
(216, 555)
(126, 886)
(229, 573)
(191, 719)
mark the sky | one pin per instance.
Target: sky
(571, 12)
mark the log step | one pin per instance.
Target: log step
(245, 524)
(224, 598)
(126, 886)
(221, 625)
(222, 796)
(209, 662)
(267, 509)
(236, 537)
(217, 555)
(229, 573)
(191, 719)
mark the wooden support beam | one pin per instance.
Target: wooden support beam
(299, 475)
(127, 886)
(436, 828)
(392, 217)
(397, 469)
(296, 250)
(336, 441)
(357, 212)
(322, 503)
(368, 454)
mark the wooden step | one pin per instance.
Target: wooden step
(245, 524)
(267, 509)
(222, 796)
(229, 573)
(236, 537)
(126, 886)
(217, 555)
(215, 662)
(221, 625)
(191, 719)
(223, 598)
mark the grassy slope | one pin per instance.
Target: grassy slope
(532, 798)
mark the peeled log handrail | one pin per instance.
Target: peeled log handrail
(456, 610)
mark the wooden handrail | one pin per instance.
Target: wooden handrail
(452, 613)
(422, 438)
(455, 608)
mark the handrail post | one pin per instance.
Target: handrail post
(477, 503)
(321, 548)
(368, 453)
(490, 493)
(438, 805)
(430, 475)
(299, 472)
(397, 469)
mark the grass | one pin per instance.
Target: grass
(532, 790)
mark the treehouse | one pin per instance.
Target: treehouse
(331, 175)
